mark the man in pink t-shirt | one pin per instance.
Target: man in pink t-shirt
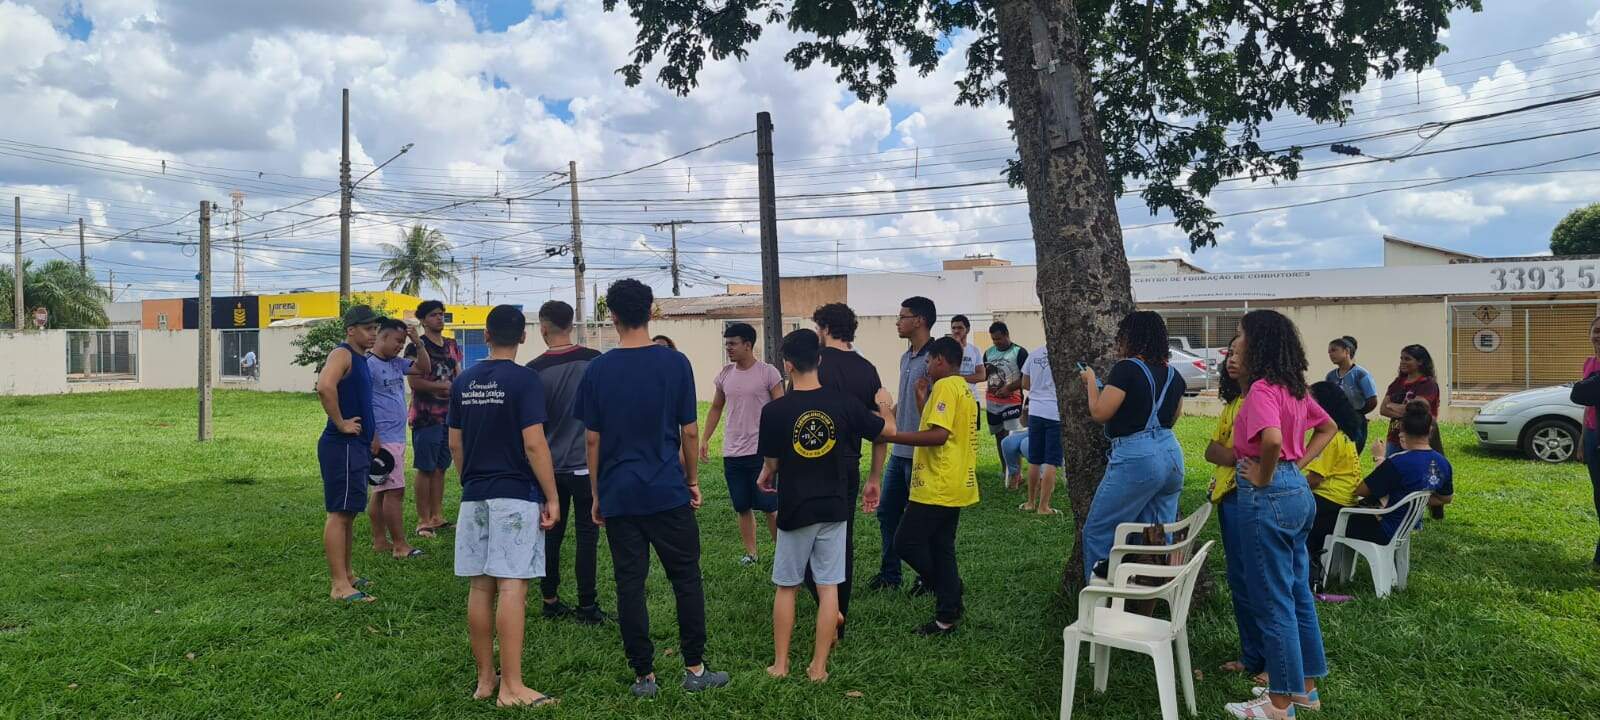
(744, 386)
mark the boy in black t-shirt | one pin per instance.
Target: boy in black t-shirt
(803, 440)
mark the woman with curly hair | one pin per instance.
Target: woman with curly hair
(1269, 440)
(1230, 389)
(1138, 406)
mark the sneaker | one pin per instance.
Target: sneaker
(919, 588)
(556, 610)
(879, 583)
(748, 560)
(1259, 708)
(934, 629)
(707, 679)
(590, 615)
(645, 688)
(1309, 701)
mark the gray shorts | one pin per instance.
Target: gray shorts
(822, 545)
(500, 538)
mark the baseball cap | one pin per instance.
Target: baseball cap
(360, 315)
(382, 465)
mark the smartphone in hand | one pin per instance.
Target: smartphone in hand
(1082, 366)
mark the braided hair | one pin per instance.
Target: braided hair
(1143, 334)
(1273, 351)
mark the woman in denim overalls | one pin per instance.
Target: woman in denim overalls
(1145, 474)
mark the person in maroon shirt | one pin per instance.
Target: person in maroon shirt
(1414, 382)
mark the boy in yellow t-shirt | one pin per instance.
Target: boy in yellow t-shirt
(943, 480)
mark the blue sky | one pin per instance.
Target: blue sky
(497, 96)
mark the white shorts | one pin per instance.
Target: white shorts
(500, 538)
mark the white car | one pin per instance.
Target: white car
(1543, 424)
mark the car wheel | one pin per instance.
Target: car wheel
(1551, 441)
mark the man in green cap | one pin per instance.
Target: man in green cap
(347, 446)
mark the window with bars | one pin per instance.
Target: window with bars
(102, 356)
(241, 354)
(1505, 347)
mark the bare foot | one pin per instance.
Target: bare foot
(778, 671)
(815, 675)
(1263, 679)
(521, 696)
(486, 689)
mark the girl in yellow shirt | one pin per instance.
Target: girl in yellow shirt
(1334, 474)
(1235, 537)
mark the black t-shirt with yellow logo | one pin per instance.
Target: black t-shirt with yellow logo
(810, 432)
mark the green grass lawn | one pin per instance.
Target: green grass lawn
(146, 576)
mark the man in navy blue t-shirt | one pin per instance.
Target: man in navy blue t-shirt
(496, 422)
(637, 403)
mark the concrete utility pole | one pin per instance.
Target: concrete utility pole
(771, 303)
(111, 285)
(474, 279)
(16, 267)
(83, 260)
(203, 314)
(344, 204)
(238, 245)
(577, 249)
(673, 226)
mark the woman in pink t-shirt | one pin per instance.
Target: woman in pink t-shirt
(1589, 448)
(1269, 440)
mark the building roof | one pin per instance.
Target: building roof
(709, 305)
(1425, 246)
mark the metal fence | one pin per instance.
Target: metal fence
(102, 355)
(1507, 346)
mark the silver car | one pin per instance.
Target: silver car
(1197, 374)
(1543, 424)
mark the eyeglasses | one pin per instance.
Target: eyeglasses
(905, 317)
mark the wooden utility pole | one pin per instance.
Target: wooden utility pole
(83, 260)
(203, 314)
(344, 204)
(16, 267)
(577, 248)
(673, 226)
(771, 303)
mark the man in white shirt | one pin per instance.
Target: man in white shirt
(1044, 431)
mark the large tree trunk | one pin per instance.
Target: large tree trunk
(1083, 280)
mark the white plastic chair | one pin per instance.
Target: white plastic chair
(1106, 627)
(1390, 563)
(1189, 527)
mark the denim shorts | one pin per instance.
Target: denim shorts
(1044, 442)
(742, 473)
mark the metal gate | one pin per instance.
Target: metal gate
(1510, 346)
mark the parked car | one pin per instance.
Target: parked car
(1212, 356)
(1543, 424)
(1197, 374)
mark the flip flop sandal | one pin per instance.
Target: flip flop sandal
(357, 597)
(1024, 507)
(446, 526)
(415, 552)
(426, 532)
(544, 700)
(1054, 511)
(361, 583)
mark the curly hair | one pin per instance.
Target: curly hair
(838, 319)
(1143, 334)
(1228, 389)
(1273, 351)
(629, 301)
(1334, 402)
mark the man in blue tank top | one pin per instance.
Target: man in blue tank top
(347, 446)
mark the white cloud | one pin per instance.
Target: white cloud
(1451, 206)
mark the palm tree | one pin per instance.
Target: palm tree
(72, 297)
(421, 257)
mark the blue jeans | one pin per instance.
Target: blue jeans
(1278, 518)
(1235, 547)
(1012, 450)
(1591, 458)
(1141, 484)
(891, 507)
